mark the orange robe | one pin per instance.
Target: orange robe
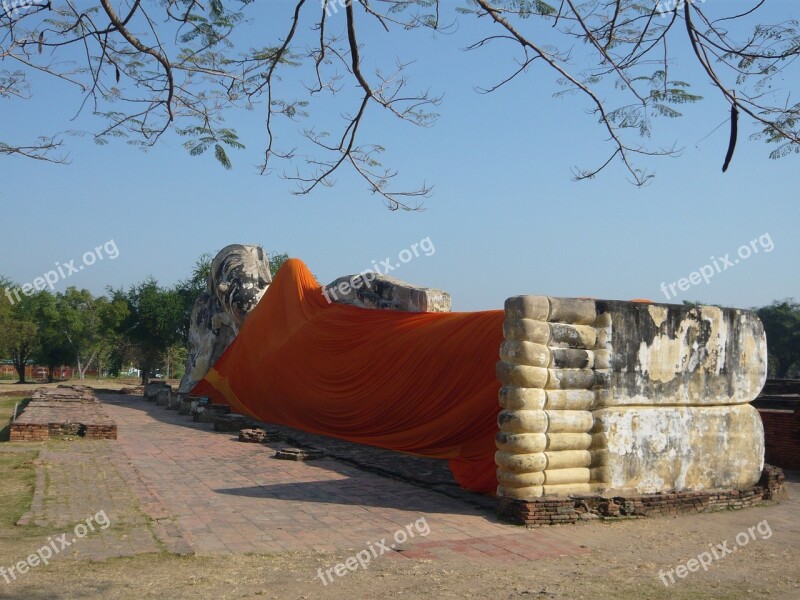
(420, 383)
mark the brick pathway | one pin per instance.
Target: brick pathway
(43, 420)
(80, 481)
(428, 473)
(227, 496)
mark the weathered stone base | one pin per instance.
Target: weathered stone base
(152, 389)
(208, 413)
(233, 422)
(185, 405)
(63, 412)
(65, 393)
(163, 397)
(553, 510)
(253, 436)
(257, 435)
(299, 454)
(41, 432)
(687, 448)
(136, 390)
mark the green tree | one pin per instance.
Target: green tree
(198, 282)
(189, 290)
(276, 261)
(109, 342)
(155, 322)
(183, 64)
(53, 348)
(81, 326)
(21, 340)
(781, 321)
(5, 312)
(18, 331)
(75, 328)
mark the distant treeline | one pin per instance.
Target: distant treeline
(147, 326)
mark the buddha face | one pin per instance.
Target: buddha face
(239, 277)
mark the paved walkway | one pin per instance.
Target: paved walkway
(171, 484)
(227, 496)
(87, 483)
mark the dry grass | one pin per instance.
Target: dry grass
(7, 406)
(17, 477)
(624, 562)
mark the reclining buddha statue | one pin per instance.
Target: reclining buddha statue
(587, 396)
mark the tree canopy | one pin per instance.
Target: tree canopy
(148, 323)
(781, 321)
(145, 67)
(18, 331)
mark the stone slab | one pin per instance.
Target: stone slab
(44, 420)
(664, 354)
(653, 449)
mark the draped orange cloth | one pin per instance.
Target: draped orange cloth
(420, 383)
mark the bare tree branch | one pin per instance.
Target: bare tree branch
(146, 68)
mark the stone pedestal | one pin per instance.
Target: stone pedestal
(163, 396)
(152, 389)
(185, 404)
(637, 398)
(174, 402)
(233, 423)
(208, 413)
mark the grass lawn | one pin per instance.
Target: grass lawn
(18, 477)
(7, 412)
(17, 473)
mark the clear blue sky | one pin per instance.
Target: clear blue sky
(505, 217)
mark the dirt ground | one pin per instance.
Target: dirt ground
(624, 563)
(12, 388)
(625, 560)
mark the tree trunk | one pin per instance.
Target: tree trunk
(781, 368)
(82, 370)
(19, 365)
(50, 374)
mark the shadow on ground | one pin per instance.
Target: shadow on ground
(341, 457)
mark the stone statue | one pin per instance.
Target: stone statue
(240, 276)
(597, 396)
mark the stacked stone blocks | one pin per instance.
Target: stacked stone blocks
(632, 397)
(553, 366)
